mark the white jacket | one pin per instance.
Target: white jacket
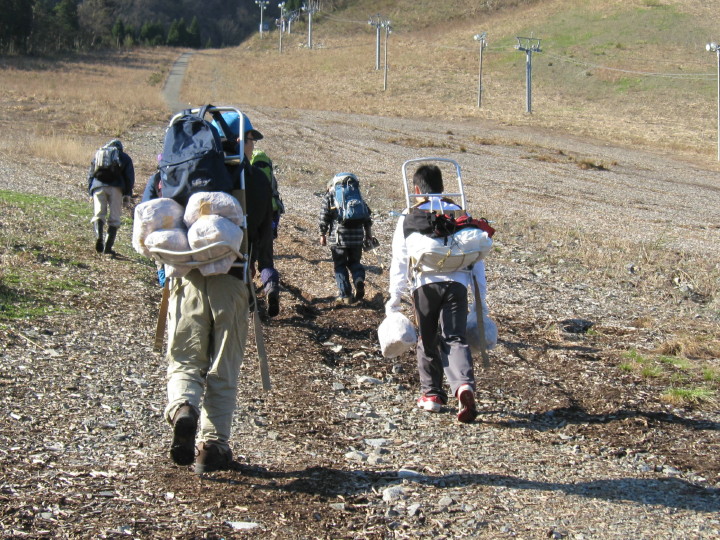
(400, 280)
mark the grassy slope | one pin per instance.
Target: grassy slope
(635, 72)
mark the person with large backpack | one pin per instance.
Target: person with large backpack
(207, 313)
(440, 295)
(346, 225)
(111, 179)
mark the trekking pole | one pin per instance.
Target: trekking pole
(162, 317)
(259, 342)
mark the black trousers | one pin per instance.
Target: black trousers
(441, 311)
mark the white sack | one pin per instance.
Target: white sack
(211, 229)
(455, 252)
(152, 216)
(176, 270)
(473, 332)
(396, 334)
(171, 240)
(218, 203)
(218, 267)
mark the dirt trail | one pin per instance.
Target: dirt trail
(568, 445)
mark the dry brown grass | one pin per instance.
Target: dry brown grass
(62, 110)
(433, 73)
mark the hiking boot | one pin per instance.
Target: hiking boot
(212, 457)
(110, 240)
(359, 290)
(343, 300)
(467, 412)
(273, 300)
(430, 403)
(99, 243)
(182, 450)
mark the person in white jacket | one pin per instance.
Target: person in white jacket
(441, 307)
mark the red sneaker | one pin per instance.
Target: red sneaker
(467, 412)
(430, 403)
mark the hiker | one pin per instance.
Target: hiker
(259, 198)
(261, 160)
(207, 331)
(441, 306)
(111, 179)
(348, 233)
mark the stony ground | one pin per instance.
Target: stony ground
(567, 443)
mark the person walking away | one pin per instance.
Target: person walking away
(261, 160)
(441, 307)
(259, 196)
(111, 179)
(345, 225)
(207, 334)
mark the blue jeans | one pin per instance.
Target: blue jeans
(344, 259)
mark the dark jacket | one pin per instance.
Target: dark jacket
(341, 235)
(125, 179)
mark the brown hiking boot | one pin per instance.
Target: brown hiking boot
(182, 450)
(213, 457)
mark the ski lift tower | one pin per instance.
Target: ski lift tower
(529, 45)
(262, 4)
(312, 7)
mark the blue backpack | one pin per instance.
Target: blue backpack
(351, 209)
(193, 159)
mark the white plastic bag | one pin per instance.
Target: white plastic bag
(396, 334)
(217, 203)
(210, 229)
(171, 240)
(155, 215)
(472, 333)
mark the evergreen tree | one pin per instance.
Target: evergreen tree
(194, 34)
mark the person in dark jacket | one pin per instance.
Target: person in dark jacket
(346, 245)
(259, 205)
(109, 188)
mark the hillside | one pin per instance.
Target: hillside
(633, 73)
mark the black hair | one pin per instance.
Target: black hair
(429, 179)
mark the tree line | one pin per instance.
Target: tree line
(48, 26)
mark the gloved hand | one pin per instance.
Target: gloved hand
(127, 199)
(392, 305)
(370, 242)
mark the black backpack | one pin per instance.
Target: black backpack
(193, 159)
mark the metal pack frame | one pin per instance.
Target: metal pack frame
(409, 192)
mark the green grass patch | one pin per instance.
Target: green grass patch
(45, 246)
(688, 395)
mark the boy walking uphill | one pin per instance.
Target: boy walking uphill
(441, 307)
(345, 224)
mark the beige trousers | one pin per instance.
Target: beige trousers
(107, 199)
(207, 329)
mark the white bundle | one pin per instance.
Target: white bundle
(455, 252)
(396, 334)
(152, 216)
(209, 230)
(171, 240)
(218, 203)
(217, 267)
(473, 331)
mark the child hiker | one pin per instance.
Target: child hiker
(345, 224)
